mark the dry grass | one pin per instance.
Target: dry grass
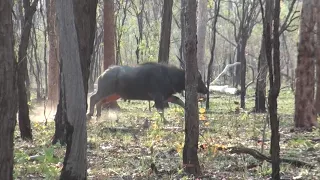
(121, 146)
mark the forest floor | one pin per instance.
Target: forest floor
(124, 144)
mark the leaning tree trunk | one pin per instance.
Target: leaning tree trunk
(164, 47)
(24, 119)
(73, 95)
(8, 90)
(305, 114)
(190, 156)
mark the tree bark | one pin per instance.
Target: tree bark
(190, 156)
(164, 47)
(305, 114)
(73, 95)
(8, 90)
(109, 42)
(214, 30)
(24, 119)
(182, 33)
(260, 92)
(201, 35)
(243, 69)
(317, 99)
(275, 83)
(53, 72)
(85, 23)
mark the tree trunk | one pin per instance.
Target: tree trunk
(190, 156)
(275, 82)
(182, 35)
(317, 100)
(164, 47)
(260, 93)
(305, 114)
(109, 41)
(24, 119)
(139, 15)
(53, 72)
(73, 95)
(8, 90)
(85, 23)
(243, 70)
(214, 30)
(201, 35)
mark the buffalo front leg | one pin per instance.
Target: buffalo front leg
(176, 100)
(159, 104)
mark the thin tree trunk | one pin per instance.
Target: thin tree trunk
(275, 83)
(305, 114)
(190, 156)
(201, 35)
(243, 70)
(53, 73)
(45, 34)
(24, 119)
(8, 90)
(109, 42)
(260, 92)
(164, 47)
(214, 30)
(182, 36)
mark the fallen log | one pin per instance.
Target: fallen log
(225, 89)
(261, 157)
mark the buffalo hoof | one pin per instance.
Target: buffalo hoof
(89, 116)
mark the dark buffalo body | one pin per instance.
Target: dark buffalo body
(148, 81)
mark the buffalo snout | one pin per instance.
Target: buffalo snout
(202, 88)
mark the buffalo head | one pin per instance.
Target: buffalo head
(201, 85)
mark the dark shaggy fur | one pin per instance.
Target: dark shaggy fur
(148, 81)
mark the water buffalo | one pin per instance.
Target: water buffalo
(148, 81)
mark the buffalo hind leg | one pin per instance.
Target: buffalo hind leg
(106, 100)
(93, 101)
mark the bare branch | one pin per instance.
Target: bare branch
(286, 24)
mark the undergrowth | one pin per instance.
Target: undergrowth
(124, 144)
